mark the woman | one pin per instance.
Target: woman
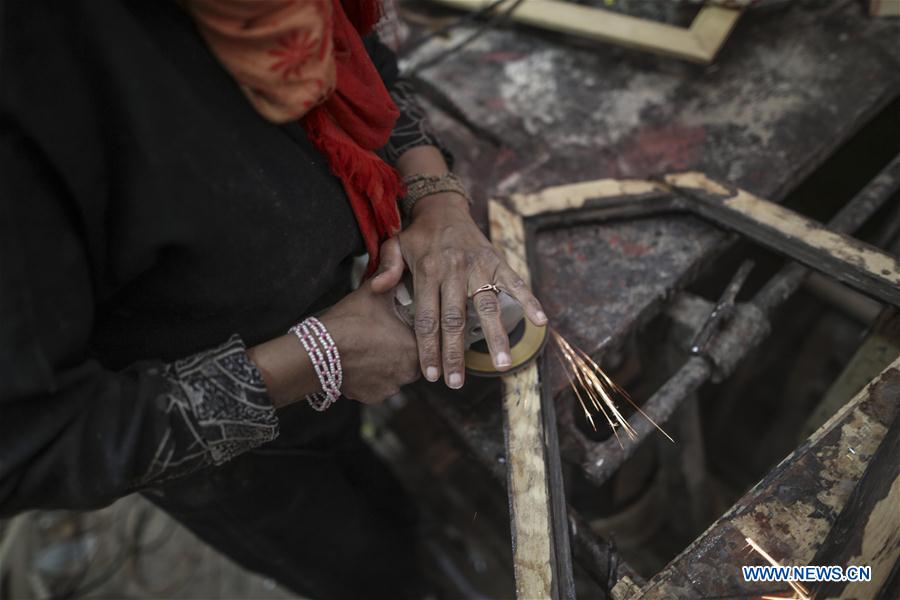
(183, 183)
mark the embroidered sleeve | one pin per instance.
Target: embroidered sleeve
(412, 128)
(217, 405)
(75, 432)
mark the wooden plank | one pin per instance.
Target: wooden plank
(576, 195)
(792, 510)
(528, 498)
(855, 263)
(699, 43)
(711, 28)
(867, 531)
(529, 503)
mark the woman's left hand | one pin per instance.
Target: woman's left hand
(450, 258)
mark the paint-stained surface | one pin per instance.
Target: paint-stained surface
(789, 87)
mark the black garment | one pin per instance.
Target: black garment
(148, 214)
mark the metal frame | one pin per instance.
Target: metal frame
(535, 488)
(857, 264)
(538, 523)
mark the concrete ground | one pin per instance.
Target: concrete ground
(128, 550)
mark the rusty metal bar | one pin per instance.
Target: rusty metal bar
(604, 459)
(563, 576)
(850, 218)
(738, 338)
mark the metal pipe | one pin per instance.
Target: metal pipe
(857, 306)
(604, 459)
(850, 218)
(597, 556)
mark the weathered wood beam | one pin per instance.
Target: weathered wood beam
(529, 503)
(792, 510)
(867, 532)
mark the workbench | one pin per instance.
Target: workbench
(789, 88)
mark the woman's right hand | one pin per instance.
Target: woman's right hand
(378, 351)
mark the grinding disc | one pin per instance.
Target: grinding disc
(525, 344)
(526, 340)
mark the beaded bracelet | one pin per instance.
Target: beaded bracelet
(319, 401)
(330, 350)
(419, 186)
(326, 361)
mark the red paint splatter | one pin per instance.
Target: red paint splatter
(663, 149)
(628, 248)
(503, 56)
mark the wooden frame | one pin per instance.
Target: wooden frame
(537, 512)
(698, 43)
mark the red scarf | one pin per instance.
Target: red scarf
(305, 59)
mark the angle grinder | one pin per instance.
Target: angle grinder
(526, 340)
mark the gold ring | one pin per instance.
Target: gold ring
(488, 287)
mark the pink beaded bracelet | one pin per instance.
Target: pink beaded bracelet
(326, 361)
(331, 352)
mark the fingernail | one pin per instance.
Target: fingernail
(431, 374)
(503, 360)
(455, 381)
(541, 317)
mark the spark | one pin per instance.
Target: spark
(595, 391)
(800, 592)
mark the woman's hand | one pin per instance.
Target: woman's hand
(378, 352)
(450, 258)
